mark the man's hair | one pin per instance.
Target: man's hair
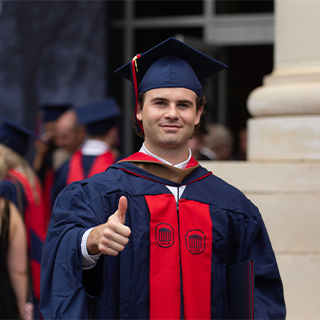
(200, 102)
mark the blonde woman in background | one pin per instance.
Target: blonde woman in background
(13, 262)
(13, 146)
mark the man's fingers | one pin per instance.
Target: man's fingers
(111, 236)
(122, 209)
(113, 242)
(123, 230)
(115, 225)
(107, 246)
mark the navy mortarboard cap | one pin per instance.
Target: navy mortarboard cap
(170, 64)
(15, 136)
(52, 112)
(99, 117)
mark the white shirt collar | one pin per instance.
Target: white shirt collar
(93, 147)
(181, 165)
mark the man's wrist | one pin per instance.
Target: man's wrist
(91, 243)
(88, 260)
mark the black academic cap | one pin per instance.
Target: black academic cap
(171, 63)
(15, 136)
(52, 112)
(99, 117)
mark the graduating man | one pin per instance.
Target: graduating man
(154, 235)
(97, 152)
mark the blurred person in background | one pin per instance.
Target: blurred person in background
(45, 148)
(14, 142)
(13, 263)
(69, 137)
(48, 115)
(218, 142)
(98, 151)
(196, 143)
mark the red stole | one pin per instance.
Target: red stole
(36, 225)
(100, 164)
(180, 245)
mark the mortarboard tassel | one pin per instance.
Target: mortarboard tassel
(134, 68)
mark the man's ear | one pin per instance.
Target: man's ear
(139, 112)
(198, 115)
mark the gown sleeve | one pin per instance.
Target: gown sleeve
(252, 242)
(63, 294)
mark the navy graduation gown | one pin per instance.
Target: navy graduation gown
(13, 192)
(177, 255)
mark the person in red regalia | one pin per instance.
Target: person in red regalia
(98, 151)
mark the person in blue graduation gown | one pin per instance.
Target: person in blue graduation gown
(13, 191)
(98, 151)
(153, 236)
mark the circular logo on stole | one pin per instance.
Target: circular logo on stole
(164, 235)
(195, 241)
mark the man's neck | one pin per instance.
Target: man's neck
(168, 157)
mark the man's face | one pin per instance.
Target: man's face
(68, 136)
(68, 140)
(168, 117)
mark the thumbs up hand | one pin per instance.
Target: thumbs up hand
(112, 236)
(120, 214)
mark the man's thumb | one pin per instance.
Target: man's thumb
(122, 209)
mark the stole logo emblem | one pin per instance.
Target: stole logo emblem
(195, 241)
(164, 235)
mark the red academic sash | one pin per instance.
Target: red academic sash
(100, 164)
(180, 243)
(36, 226)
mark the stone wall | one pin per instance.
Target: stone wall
(288, 197)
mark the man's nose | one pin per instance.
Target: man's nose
(172, 111)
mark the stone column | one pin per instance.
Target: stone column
(282, 176)
(285, 132)
(286, 109)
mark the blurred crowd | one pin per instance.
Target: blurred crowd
(71, 144)
(217, 142)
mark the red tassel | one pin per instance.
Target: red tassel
(135, 86)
